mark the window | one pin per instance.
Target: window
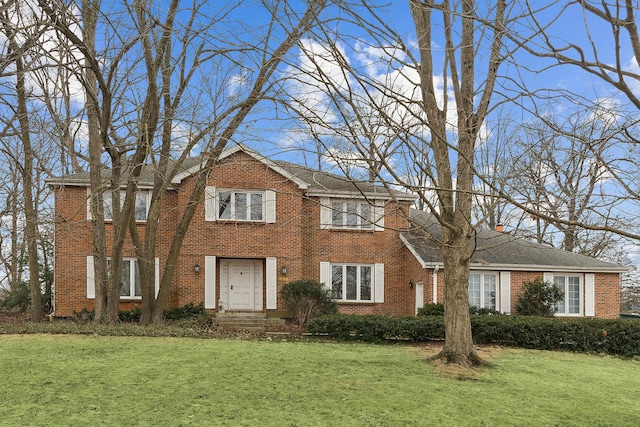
(351, 282)
(130, 278)
(483, 290)
(141, 208)
(241, 206)
(571, 286)
(351, 215)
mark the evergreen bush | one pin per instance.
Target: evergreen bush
(305, 299)
(613, 336)
(539, 298)
(431, 310)
(17, 299)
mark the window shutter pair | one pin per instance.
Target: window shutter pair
(211, 205)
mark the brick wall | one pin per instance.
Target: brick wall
(607, 288)
(296, 240)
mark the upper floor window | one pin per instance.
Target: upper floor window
(140, 211)
(351, 214)
(141, 208)
(240, 205)
(571, 286)
(483, 289)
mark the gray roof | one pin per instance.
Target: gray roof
(146, 176)
(317, 183)
(321, 182)
(496, 250)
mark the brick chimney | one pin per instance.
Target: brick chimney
(500, 228)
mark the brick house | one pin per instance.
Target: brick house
(263, 223)
(501, 264)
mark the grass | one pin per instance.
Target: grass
(57, 380)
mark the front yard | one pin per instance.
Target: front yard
(97, 380)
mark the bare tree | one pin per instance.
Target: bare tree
(155, 82)
(560, 171)
(431, 113)
(26, 164)
(605, 48)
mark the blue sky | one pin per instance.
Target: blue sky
(568, 29)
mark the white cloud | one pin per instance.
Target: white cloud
(633, 67)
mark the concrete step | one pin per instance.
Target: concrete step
(247, 321)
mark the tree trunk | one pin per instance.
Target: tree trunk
(31, 216)
(458, 347)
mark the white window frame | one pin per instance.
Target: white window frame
(359, 277)
(483, 302)
(133, 263)
(234, 213)
(267, 205)
(91, 285)
(565, 289)
(345, 213)
(106, 206)
(329, 210)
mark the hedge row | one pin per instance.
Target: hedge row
(615, 336)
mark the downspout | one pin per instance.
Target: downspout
(435, 284)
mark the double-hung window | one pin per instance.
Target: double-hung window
(241, 205)
(350, 214)
(571, 286)
(483, 289)
(141, 207)
(131, 287)
(222, 204)
(351, 282)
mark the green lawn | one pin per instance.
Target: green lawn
(55, 380)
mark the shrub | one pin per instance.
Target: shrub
(17, 299)
(539, 298)
(431, 310)
(613, 336)
(186, 312)
(131, 316)
(84, 315)
(378, 328)
(438, 310)
(305, 299)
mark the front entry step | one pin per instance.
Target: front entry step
(247, 321)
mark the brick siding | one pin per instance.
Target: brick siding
(296, 240)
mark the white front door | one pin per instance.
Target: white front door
(241, 284)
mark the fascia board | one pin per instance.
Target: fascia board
(359, 195)
(240, 147)
(549, 268)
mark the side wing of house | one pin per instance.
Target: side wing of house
(591, 288)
